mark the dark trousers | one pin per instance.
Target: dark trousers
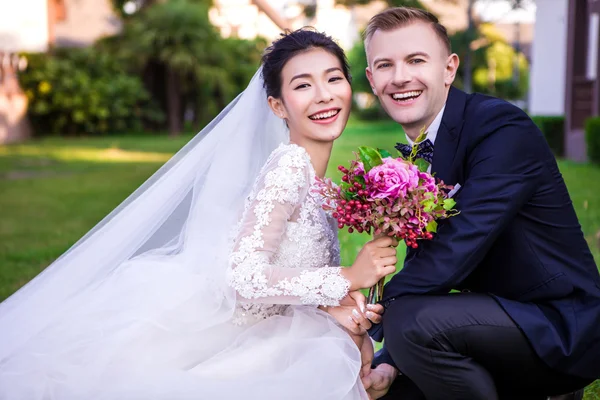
(464, 346)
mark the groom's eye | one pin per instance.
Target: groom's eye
(383, 65)
(417, 61)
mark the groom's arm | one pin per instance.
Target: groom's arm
(504, 166)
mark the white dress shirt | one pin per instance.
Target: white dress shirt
(432, 131)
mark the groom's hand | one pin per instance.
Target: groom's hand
(379, 381)
(354, 315)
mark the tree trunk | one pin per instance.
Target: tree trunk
(468, 69)
(173, 103)
(517, 46)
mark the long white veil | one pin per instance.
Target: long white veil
(180, 218)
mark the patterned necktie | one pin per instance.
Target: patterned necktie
(424, 151)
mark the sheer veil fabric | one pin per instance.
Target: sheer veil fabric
(139, 308)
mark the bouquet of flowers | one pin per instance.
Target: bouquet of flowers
(383, 195)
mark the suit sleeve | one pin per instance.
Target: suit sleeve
(504, 164)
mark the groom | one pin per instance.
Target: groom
(524, 318)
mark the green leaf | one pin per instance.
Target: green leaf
(428, 205)
(421, 164)
(449, 204)
(384, 153)
(421, 137)
(431, 226)
(345, 186)
(370, 157)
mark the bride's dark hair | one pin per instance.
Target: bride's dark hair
(291, 44)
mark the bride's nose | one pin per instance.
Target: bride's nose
(323, 94)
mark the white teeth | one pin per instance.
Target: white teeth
(399, 96)
(324, 115)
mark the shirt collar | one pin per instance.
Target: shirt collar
(433, 128)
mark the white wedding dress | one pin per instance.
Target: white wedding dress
(274, 344)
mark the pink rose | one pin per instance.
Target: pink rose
(359, 169)
(394, 178)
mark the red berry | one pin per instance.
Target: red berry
(340, 226)
(350, 230)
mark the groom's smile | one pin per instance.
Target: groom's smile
(406, 98)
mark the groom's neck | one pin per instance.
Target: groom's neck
(414, 130)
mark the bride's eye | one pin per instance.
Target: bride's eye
(336, 78)
(303, 86)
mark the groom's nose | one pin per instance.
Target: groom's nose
(401, 75)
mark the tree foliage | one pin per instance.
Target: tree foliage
(185, 62)
(84, 91)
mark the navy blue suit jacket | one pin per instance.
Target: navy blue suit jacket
(517, 236)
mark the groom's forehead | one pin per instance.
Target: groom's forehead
(409, 39)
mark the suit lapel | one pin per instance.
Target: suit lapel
(446, 140)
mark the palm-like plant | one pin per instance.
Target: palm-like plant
(178, 37)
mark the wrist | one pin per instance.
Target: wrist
(346, 273)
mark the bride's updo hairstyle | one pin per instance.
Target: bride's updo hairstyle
(288, 46)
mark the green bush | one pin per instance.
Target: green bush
(553, 128)
(84, 91)
(592, 138)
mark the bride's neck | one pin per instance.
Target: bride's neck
(319, 153)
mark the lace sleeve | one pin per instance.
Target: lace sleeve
(279, 192)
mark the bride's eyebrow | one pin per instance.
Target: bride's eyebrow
(327, 71)
(300, 76)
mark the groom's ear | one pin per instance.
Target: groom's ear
(277, 107)
(451, 68)
(370, 78)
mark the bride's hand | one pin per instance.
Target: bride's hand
(353, 315)
(376, 260)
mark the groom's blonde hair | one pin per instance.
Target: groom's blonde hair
(398, 17)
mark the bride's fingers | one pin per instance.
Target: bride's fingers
(360, 319)
(359, 298)
(373, 317)
(391, 260)
(354, 327)
(388, 269)
(376, 308)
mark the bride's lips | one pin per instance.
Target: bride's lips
(325, 116)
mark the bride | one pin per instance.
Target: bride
(213, 279)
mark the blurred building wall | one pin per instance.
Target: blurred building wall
(548, 64)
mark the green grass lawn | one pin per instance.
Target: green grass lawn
(54, 190)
